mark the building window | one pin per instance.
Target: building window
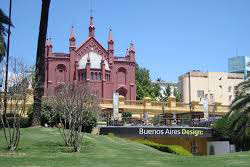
(84, 76)
(235, 89)
(229, 89)
(95, 76)
(79, 75)
(211, 98)
(200, 94)
(230, 98)
(193, 147)
(107, 77)
(92, 76)
(98, 76)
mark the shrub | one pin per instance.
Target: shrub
(53, 119)
(174, 149)
(24, 121)
(90, 123)
(222, 128)
(46, 116)
(211, 150)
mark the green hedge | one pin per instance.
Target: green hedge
(174, 149)
(24, 122)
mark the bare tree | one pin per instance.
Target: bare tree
(16, 102)
(75, 104)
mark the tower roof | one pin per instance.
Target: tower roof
(127, 52)
(72, 33)
(91, 27)
(132, 47)
(110, 35)
(48, 42)
(91, 22)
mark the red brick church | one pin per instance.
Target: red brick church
(90, 63)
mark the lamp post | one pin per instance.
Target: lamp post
(7, 62)
(189, 87)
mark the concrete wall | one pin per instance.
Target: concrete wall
(220, 147)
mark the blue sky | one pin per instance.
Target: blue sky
(171, 36)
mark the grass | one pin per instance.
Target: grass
(43, 147)
(174, 149)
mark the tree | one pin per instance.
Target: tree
(17, 98)
(222, 128)
(177, 95)
(4, 21)
(144, 86)
(239, 116)
(40, 64)
(76, 105)
(126, 116)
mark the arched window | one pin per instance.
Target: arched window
(79, 76)
(60, 73)
(84, 75)
(98, 76)
(95, 75)
(61, 67)
(92, 76)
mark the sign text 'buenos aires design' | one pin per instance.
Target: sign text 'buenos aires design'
(169, 131)
(157, 131)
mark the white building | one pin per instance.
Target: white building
(215, 86)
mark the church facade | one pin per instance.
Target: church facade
(91, 64)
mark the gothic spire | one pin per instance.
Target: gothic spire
(127, 52)
(132, 47)
(91, 27)
(72, 34)
(110, 35)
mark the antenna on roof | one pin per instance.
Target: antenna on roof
(236, 51)
(91, 8)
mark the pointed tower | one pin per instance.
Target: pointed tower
(132, 52)
(110, 46)
(127, 55)
(91, 27)
(48, 46)
(48, 53)
(72, 39)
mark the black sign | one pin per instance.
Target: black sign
(157, 131)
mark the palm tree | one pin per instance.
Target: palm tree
(239, 115)
(40, 64)
(4, 21)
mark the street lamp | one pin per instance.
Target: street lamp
(7, 62)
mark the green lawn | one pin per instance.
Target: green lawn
(43, 147)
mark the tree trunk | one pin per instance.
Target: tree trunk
(40, 64)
